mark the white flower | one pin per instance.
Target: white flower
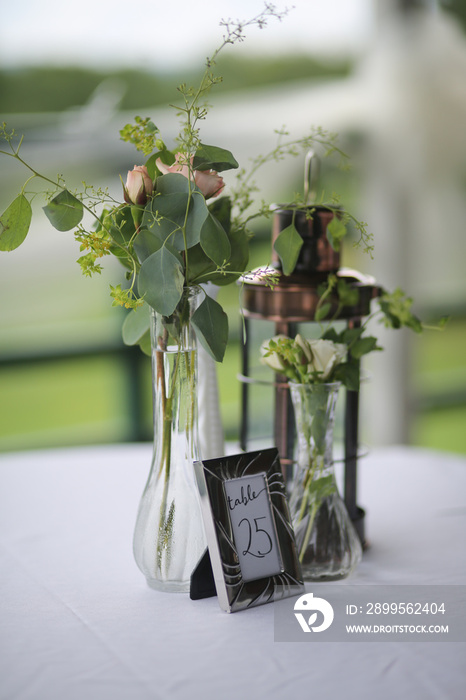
(305, 347)
(302, 361)
(326, 355)
(270, 358)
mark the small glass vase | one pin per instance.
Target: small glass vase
(328, 546)
(169, 535)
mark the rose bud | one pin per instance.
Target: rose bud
(208, 181)
(178, 167)
(138, 186)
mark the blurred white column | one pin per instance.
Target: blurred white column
(414, 195)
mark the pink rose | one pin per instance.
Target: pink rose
(209, 181)
(138, 186)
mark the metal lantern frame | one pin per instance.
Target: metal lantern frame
(291, 302)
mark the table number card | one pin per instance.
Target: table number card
(250, 538)
(253, 526)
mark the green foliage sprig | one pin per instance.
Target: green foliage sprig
(171, 232)
(393, 309)
(301, 360)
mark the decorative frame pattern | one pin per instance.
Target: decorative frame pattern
(234, 593)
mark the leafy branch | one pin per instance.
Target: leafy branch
(65, 211)
(167, 235)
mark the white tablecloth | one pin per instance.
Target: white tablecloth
(78, 621)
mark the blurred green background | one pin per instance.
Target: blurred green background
(65, 377)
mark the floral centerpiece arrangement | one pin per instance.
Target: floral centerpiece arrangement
(328, 545)
(174, 230)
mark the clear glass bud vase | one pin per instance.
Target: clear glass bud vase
(169, 535)
(328, 545)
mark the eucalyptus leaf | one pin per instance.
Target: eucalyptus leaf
(214, 158)
(14, 223)
(165, 156)
(145, 244)
(165, 215)
(221, 209)
(136, 324)
(200, 266)
(238, 261)
(161, 281)
(64, 211)
(211, 325)
(150, 165)
(145, 343)
(287, 245)
(172, 183)
(336, 231)
(198, 213)
(214, 241)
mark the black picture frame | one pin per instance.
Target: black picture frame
(260, 467)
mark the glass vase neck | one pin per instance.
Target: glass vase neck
(175, 332)
(328, 546)
(314, 409)
(169, 535)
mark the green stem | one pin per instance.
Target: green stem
(55, 183)
(308, 532)
(167, 406)
(308, 495)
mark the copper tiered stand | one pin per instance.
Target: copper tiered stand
(293, 300)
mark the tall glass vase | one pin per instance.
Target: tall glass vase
(169, 535)
(328, 546)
